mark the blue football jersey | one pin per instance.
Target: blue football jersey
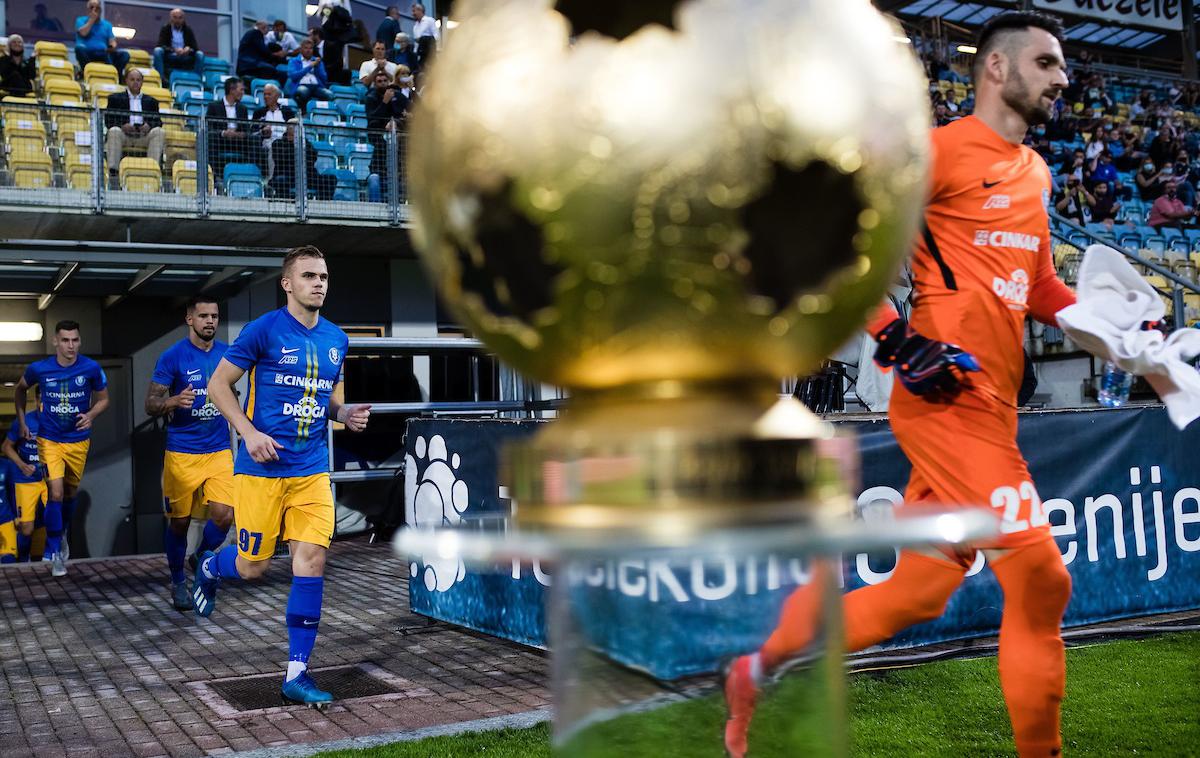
(201, 428)
(27, 449)
(66, 392)
(293, 370)
(8, 507)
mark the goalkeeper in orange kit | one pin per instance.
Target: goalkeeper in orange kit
(981, 265)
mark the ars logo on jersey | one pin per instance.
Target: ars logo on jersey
(997, 202)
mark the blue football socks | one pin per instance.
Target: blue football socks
(212, 538)
(303, 618)
(23, 545)
(54, 526)
(68, 512)
(223, 564)
(175, 547)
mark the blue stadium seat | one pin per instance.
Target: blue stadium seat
(326, 156)
(257, 86)
(1079, 240)
(1179, 244)
(323, 113)
(214, 81)
(1100, 230)
(243, 180)
(358, 159)
(1130, 241)
(194, 103)
(344, 95)
(356, 115)
(347, 185)
(1170, 233)
(361, 89)
(185, 81)
(252, 103)
(216, 65)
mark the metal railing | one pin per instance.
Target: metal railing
(106, 160)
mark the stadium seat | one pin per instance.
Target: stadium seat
(46, 50)
(139, 175)
(100, 92)
(24, 135)
(243, 180)
(358, 159)
(178, 143)
(54, 68)
(323, 113)
(78, 169)
(61, 87)
(194, 103)
(214, 82)
(252, 104)
(258, 85)
(343, 95)
(1179, 245)
(326, 156)
(183, 177)
(356, 115)
(347, 185)
(31, 170)
(361, 89)
(150, 76)
(1156, 244)
(185, 81)
(99, 72)
(216, 65)
(1130, 241)
(139, 58)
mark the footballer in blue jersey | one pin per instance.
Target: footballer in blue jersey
(28, 484)
(8, 518)
(72, 391)
(198, 464)
(281, 475)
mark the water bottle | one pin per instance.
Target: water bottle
(1114, 386)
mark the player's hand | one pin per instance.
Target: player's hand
(355, 416)
(83, 422)
(186, 398)
(935, 371)
(27, 469)
(24, 430)
(261, 447)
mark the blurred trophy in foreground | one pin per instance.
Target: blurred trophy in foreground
(665, 207)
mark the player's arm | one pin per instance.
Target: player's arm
(259, 445)
(1048, 294)
(99, 405)
(20, 398)
(159, 401)
(10, 451)
(354, 416)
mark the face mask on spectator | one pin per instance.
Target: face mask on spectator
(406, 81)
(1148, 168)
(1039, 130)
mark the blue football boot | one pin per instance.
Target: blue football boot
(304, 691)
(204, 594)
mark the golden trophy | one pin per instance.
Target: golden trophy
(666, 207)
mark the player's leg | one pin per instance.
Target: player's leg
(308, 525)
(29, 499)
(260, 512)
(218, 492)
(75, 460)
(51, 455)
(8, 541)
(179, 487)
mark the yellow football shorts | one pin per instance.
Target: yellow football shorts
(302, 505)
(29, 496)
(190, 480)
(63, 460)
(8, 538)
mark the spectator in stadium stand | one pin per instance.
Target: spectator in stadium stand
(425, 32)
(389, 27)
(1165, 146)
(95, 41)
(1076, 202)
(274, 117)
(1150, 181)
(131, 120)
(1037, 141)
(402, 52)
(283, 157)
(337, 30)
(1181, 170)
(43, 22)
(254, 60)
(229, 136)
(1121, 192)
(1131, 155)
(176, 48)
(279, 39)
(1169, 210)
(383, 104)
(1106, 207)
(1103, 171)
(941, 115)
(307, 79)
(366, 72)
(18, 71)
(1073, 165)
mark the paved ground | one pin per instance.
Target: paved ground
(98, 664)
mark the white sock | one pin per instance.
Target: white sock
(295, 669)
(756, 672)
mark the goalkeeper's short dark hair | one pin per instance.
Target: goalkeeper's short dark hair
(1000, 27)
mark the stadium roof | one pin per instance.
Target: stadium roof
(1084, 32)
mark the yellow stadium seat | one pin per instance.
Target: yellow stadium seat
(150, 77)
(139, 175)
(161, 96)
(31, 170)
(139, 58)
(46, 50)
(19, 107)
(60, 87)
(183, 177)
(24, 135)
(101, 91)
(178, 144)
(79, 171)
(54, 68)
(94, 73)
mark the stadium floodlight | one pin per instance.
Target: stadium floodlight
(124, 32)
(20, 331)
(968, 49)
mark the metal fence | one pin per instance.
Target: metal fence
(322, 165)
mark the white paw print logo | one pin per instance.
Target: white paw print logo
(434, 498)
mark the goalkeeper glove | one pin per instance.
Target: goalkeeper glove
(935, 371)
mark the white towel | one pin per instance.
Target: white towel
(1113, 302)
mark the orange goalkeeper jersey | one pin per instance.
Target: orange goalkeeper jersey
(982, 261)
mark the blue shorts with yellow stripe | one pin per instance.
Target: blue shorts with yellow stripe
(302, 506)
(190, 480)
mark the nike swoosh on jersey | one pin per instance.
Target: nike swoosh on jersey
(989, 185)
(287, 351)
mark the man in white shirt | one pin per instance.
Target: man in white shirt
(366, 72)
(229, 133)
(279, 35)
(425, 32)
(132, 121)
(274, 118)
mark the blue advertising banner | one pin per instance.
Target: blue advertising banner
(1120, 488)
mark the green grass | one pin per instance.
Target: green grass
(1125, 697)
